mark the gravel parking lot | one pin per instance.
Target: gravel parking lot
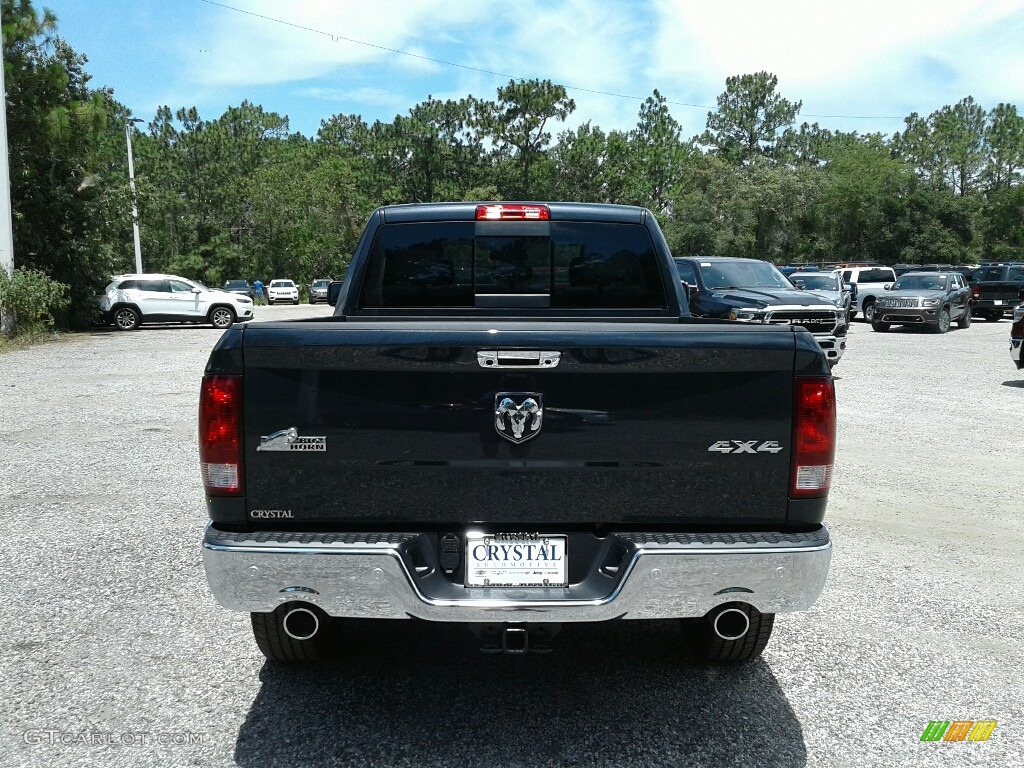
(118, 655)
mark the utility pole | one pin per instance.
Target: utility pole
(135, 205)
(6, 222)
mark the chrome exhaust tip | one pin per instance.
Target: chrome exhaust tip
(300, 624)
(731, 624)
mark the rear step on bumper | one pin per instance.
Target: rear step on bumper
(670, 575)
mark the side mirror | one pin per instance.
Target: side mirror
(197, 290)
(887, 287)
(691, 291)
(333, 290)
(799, 284)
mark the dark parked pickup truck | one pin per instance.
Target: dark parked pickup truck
(997, 289)
(511, 421)
(754, 291)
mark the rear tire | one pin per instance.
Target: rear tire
(277, 645)
(709, 647)
(880, 327)
(965, 319)
(126, 319)
(993, 317)
(869, 310)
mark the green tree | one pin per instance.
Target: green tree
(750, 119)
(518, 125)
(1004, 140)
(960, 137)
(658, 153)
(55, 122)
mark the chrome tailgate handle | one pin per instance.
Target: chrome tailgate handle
(517, 358)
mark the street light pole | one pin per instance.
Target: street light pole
(131, 183)
(6, 223)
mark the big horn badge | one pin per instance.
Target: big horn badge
(518, 415)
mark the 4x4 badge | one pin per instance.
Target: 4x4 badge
(518, 415)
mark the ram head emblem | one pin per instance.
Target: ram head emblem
(520, 421)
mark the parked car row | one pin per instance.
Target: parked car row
(131, 300)
(281, 290)
(825, 301)
(754, 291)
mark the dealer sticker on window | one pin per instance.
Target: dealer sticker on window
(515, 560)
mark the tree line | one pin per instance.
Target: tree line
(243, 196)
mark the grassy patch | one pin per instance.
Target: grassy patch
(28, 337)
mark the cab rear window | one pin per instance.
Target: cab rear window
(561, 265)
(876, 276)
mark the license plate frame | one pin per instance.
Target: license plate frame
(505, 560)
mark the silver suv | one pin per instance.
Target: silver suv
(318, 290)
(131, 300)
(827, 284)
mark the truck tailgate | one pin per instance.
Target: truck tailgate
(641, 423)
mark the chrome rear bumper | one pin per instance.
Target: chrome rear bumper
(373, 576)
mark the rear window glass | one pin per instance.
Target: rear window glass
(988, 273)
(876, 276)
(817, 282)
(458, 265)
(686, 272)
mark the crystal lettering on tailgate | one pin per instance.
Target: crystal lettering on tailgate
(271, 514)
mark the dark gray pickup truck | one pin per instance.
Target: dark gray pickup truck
(511, 421)
(996, 290)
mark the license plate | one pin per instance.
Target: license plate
(497, 560)
(998, 302)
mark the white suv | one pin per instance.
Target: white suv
(282, 290)
(131, 300)
(870, 282)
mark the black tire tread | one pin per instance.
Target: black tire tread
(274, 643)
(709, 647)
(209, 315)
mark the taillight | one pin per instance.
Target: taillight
(814, 436)
(503, 212)
(220, 435)
(975, 291)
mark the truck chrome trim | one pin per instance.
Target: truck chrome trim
(518, 422)
(512, 358)
(669, 575)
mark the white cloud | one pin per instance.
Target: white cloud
(376, 96)
(873, 57)
(248, 49)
